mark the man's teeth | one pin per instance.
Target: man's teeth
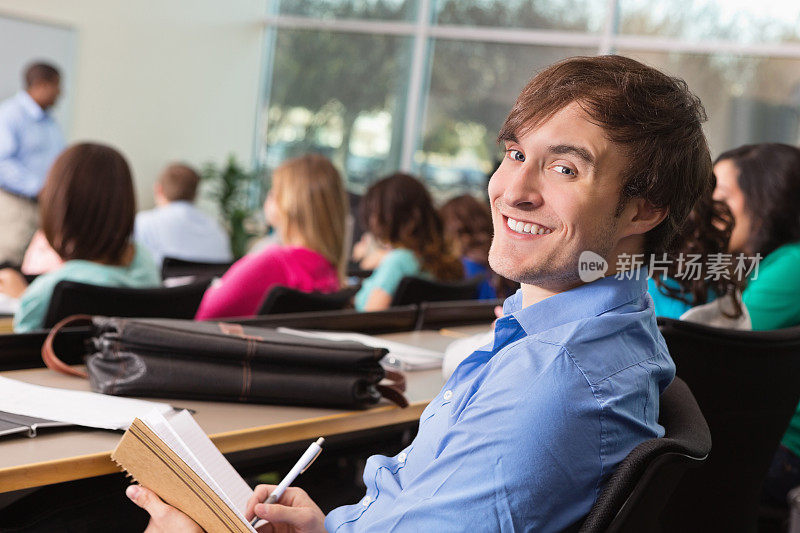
(526, 227)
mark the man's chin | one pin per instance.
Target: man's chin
(541, 274)
(507, 266)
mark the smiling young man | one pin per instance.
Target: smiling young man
(603, 154)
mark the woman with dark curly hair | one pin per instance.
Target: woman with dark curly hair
(399, 212)
(690, 280)
(761, 185)
(468, 225)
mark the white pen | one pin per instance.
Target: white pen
(299, 467)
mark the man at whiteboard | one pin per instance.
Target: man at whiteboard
(29, 142)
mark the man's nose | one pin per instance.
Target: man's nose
(523, 190)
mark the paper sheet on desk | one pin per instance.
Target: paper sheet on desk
(76, 407)
(404, 356)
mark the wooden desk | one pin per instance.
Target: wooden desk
(64, 455)
(6, 324)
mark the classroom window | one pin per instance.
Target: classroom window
(424, 85)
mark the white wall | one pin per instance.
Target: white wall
(161, 80)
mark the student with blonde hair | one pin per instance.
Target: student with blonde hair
(307, 205)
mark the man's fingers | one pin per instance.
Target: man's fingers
(147, 500)
(296, 497)
(281, 514)
(260, 494)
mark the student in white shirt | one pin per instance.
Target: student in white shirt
(176, 228)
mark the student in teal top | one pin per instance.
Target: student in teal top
(761, 185)
(87, 209)
(706, 231)
(399, 212)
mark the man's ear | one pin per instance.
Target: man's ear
(643, 216)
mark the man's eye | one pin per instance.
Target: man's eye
(561, 169)
(515, 155)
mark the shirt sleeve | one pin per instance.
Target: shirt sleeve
(13, 174)
(512, 461)
(771, 298)
(34, 302)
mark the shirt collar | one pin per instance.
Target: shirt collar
(178, 204)
(30, 106)
(590, 299)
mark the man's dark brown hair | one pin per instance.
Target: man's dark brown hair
(179, 182)
(87, 204)
(652, 116)
(39, 72)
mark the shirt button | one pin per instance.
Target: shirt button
(447, 395)
(366, 501)
(401, 457)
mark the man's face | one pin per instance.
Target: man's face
(558, 185)
(46, 93)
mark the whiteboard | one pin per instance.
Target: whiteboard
(24, 41)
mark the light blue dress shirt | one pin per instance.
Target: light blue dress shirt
(527, 430)
(181, 230)
(29, 143)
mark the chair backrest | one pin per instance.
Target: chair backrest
(414, 290)
(172, 267)
(71, 298)
(634, 495)
(282, 299)
(435, 315)
(747, 384)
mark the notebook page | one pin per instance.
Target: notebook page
(210, 457)
(194, 458)
(76, 407)
(412, 357)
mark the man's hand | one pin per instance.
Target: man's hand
(296, 512)
(163, 518)
(12, 282)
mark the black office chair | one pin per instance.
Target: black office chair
(281, 300)
(747, 384)
(636, 492)
(414, 290)
(172, 267)
(72, 298)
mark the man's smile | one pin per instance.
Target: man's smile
(523, 227)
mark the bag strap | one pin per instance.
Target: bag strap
(393, 391)
(49, 356)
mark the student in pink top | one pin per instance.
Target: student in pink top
(307, 205)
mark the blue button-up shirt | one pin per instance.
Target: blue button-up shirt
(527, 430)
(29, 143)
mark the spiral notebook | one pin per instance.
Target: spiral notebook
(171, 455)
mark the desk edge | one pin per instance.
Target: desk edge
(98, 464)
